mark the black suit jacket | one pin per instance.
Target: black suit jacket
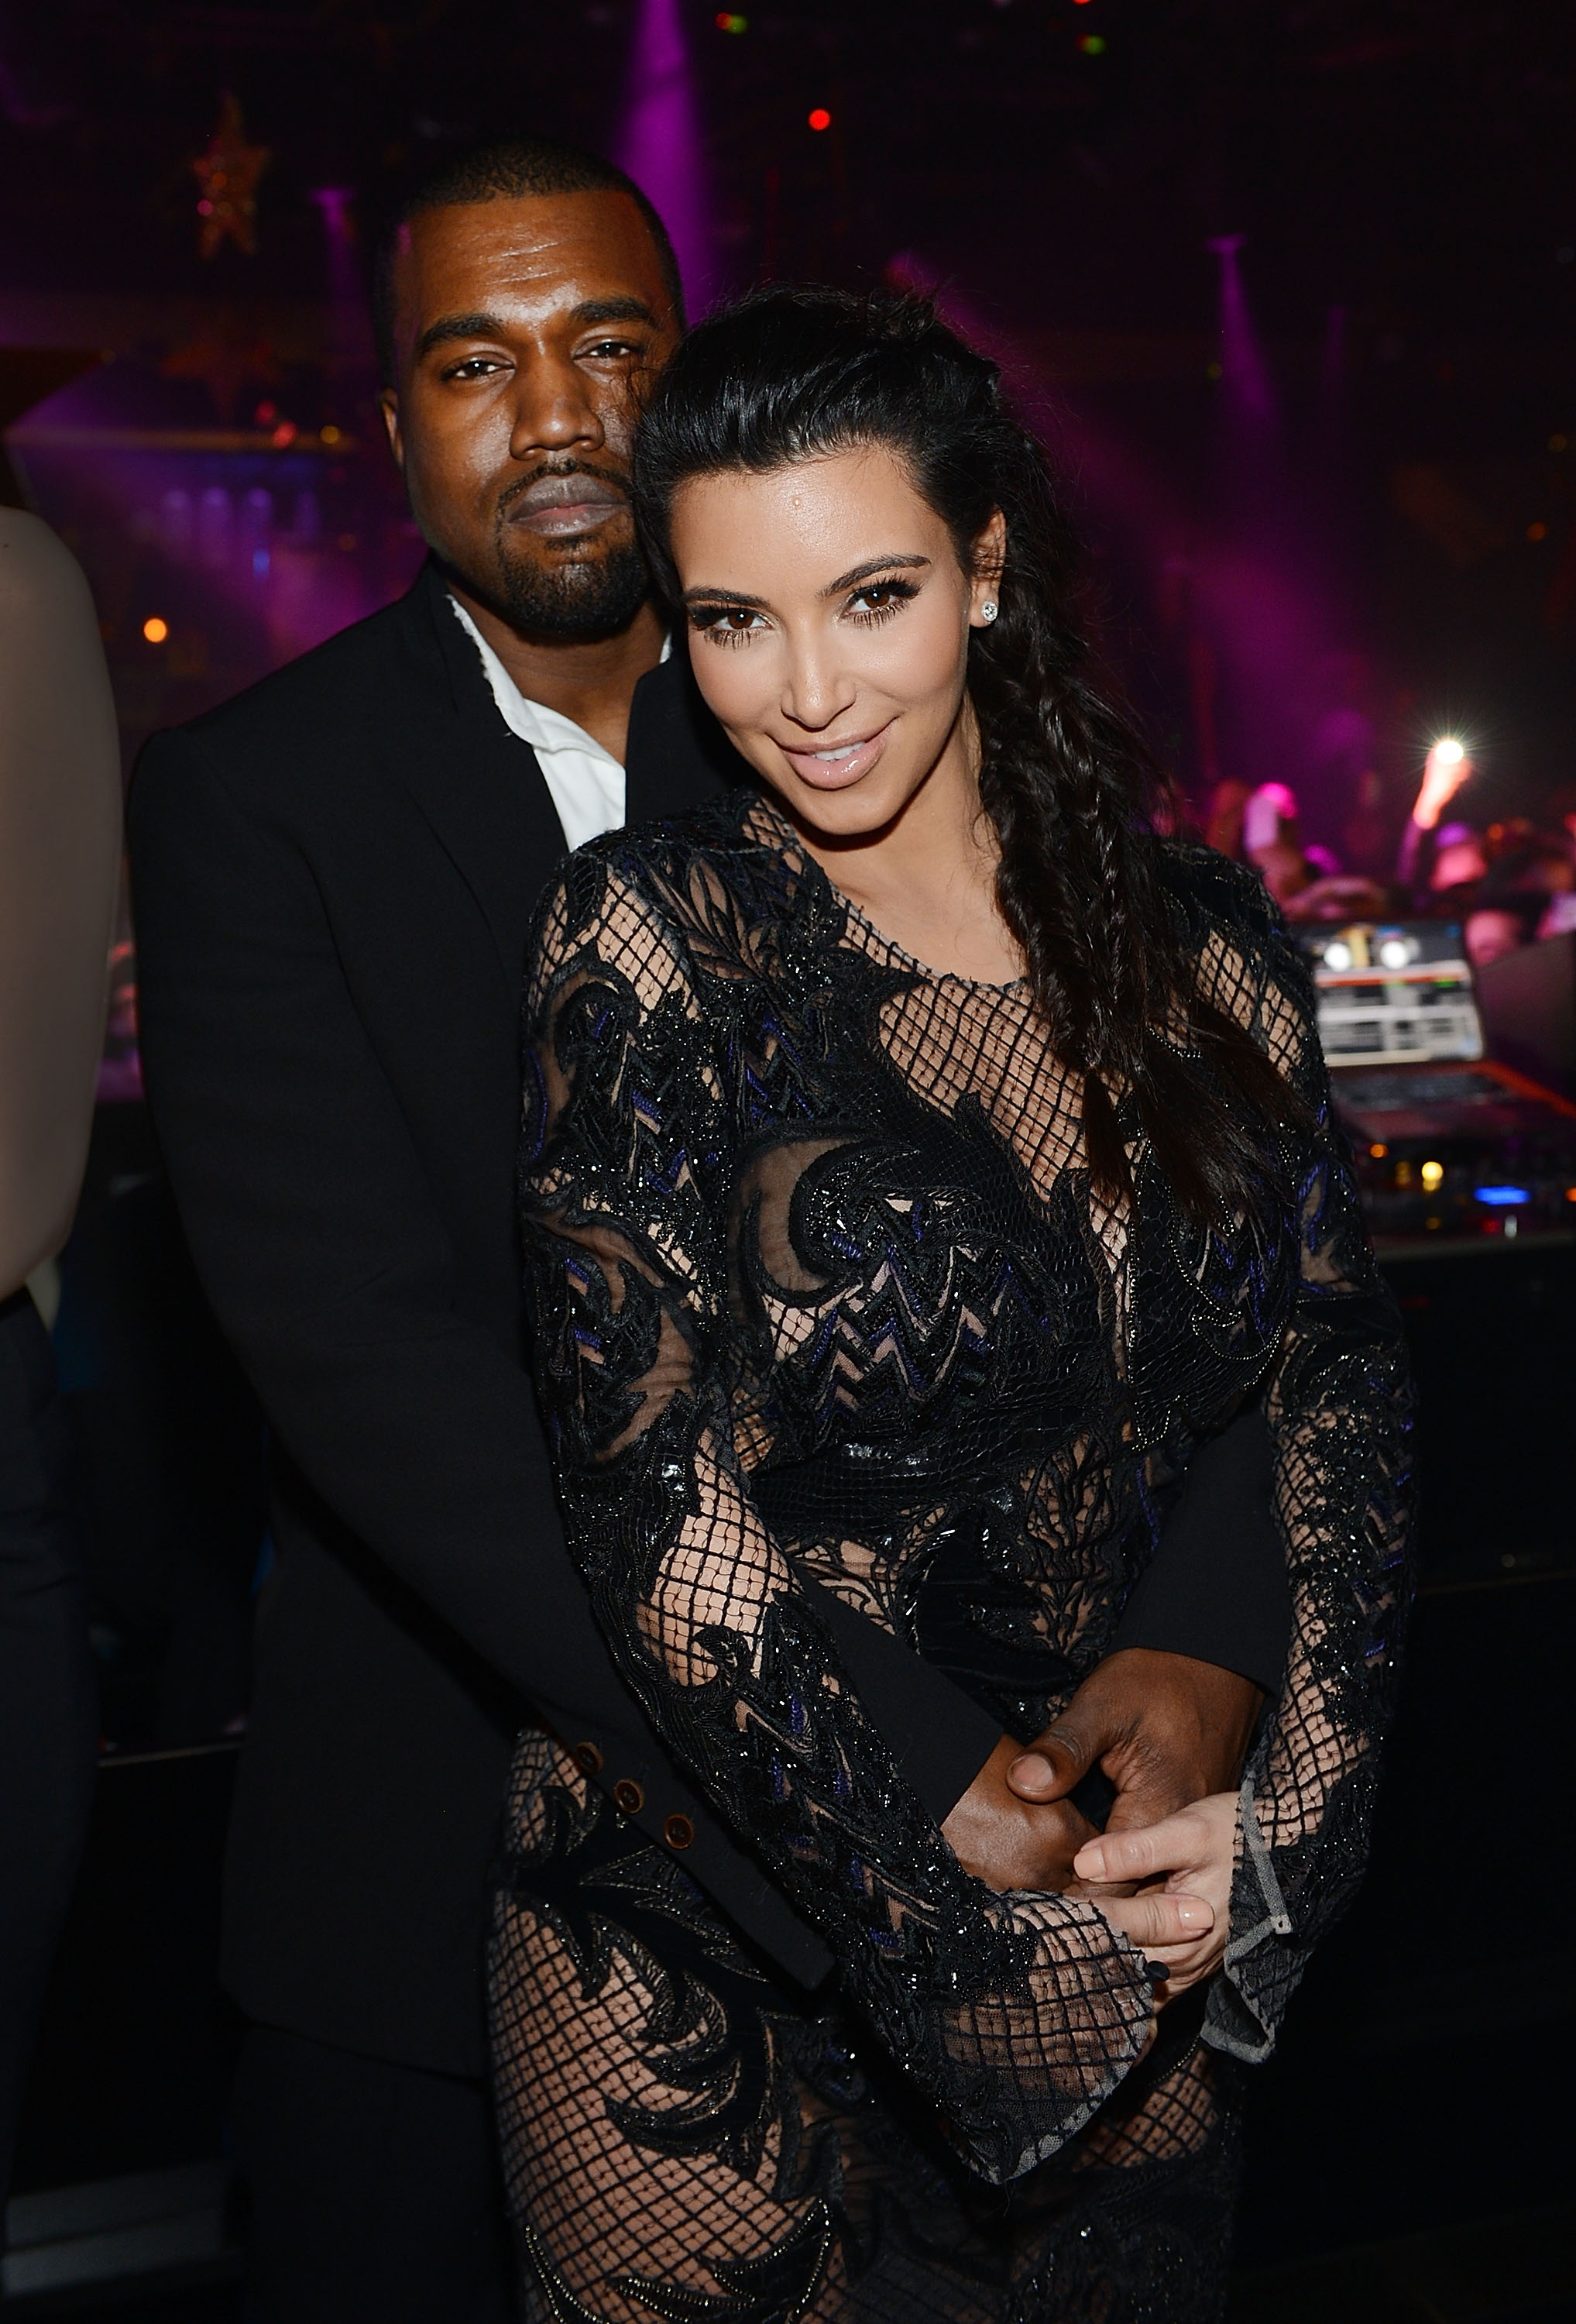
(333, 882)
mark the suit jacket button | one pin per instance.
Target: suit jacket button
(678, 1831)
(628, 1797)
(587, 1759)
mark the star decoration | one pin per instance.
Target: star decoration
(226, 177)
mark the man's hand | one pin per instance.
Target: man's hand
(1006, 1840)
(1168, 1730)
(1017, 1846)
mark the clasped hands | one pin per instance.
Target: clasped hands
(1170, 1734)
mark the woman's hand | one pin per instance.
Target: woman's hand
(1184, 1869)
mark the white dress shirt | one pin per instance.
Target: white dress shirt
(587, 782)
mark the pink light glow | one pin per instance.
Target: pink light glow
(659, 143)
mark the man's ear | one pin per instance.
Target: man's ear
(389, 405)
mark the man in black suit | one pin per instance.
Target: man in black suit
(334, 877)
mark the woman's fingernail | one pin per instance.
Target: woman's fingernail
(1194, 1913)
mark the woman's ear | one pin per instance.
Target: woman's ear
(989, 562)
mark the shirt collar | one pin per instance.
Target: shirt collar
(545, 729)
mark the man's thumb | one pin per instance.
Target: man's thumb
(1054, 1762)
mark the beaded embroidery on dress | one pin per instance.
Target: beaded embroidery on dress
(820, 1286)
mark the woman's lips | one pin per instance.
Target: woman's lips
(834, 765)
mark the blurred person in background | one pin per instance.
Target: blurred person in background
(1526, 894)
(1437, 857)
(59, 856)
(1305, 882)
(1223, 821)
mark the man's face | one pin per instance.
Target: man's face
(526, 333)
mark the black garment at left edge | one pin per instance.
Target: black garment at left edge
(48, 1707)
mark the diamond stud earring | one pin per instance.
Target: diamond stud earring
(989, 610)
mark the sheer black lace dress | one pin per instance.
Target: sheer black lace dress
(821, 1288)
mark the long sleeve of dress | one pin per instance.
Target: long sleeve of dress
(1338, 1405)
(1017, 2014)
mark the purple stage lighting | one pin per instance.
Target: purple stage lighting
(350, 333)
(1243, 376)
(660, 142)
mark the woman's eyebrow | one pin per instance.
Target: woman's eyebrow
(872, 565)
(702, 595)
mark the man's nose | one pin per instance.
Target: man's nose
(553, 411)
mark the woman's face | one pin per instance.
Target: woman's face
(829, 631)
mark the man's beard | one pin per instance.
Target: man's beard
(594, 597)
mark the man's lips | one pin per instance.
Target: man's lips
(557, 507)
(833, 766)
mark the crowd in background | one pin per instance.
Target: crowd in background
(1507, 884)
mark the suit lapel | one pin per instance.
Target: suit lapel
(478, 785)
(678, 756)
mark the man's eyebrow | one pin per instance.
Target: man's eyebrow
(872, 565)
(458, 327)
(613, 310)
(590, 312)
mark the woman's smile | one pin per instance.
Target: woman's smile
(835, 765)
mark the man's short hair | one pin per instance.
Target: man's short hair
(502, 169)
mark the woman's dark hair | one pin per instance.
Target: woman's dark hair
(789, 375)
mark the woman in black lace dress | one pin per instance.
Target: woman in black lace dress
(923, 1161)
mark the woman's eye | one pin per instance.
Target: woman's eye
(726, 625)
(878, 601)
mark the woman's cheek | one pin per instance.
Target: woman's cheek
(734, 683)
(920, 661)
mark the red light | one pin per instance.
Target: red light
(820, 118)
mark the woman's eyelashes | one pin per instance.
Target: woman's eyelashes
(725, 625)
(878, 601)
(871, 602)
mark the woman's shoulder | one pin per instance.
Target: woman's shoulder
(1227, 901)
(660, 885)
(648, 854)
(1214, 891)
(1248, 960)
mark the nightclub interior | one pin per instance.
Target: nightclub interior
(1287, 287)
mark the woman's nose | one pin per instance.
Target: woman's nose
(818, 690)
